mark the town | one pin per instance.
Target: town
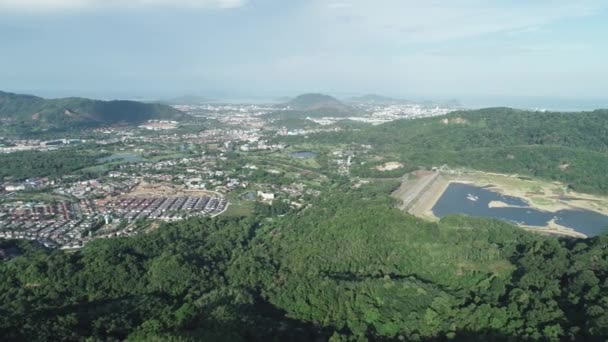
(227, 159)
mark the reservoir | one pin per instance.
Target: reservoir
(460, 198)
(303, 154)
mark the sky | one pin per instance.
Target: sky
(482, 51)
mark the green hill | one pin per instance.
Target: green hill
(321, 104)
(35, 113)
(498, 140)
(314, 106)
(350, 267)
(312, 101)
(357, 265)
(496, 127)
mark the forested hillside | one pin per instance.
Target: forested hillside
(26, 112)
(568, 147)
(347, 268)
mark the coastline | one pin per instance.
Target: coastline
(553, 228)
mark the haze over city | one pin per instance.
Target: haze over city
(482, 53)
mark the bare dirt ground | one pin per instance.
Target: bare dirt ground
(390, 166)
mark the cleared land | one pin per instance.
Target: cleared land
(390, 166)
(420, 191)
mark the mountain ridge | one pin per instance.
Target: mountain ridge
(37, 113)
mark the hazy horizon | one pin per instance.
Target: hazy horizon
(546, 54)
(541, 103)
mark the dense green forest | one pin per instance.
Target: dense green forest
(568, 147)
(54, 164)
(348, 267)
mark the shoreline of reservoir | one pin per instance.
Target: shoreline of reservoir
(540, 195)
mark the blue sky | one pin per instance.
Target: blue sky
(467, 49)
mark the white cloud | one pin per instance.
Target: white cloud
(60, 5)
(432, 20)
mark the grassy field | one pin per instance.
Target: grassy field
(239, 210)
(238, 206)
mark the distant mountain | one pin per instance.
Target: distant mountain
(313, 106)
(311, 102)
(376, 99)
(35, 113)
